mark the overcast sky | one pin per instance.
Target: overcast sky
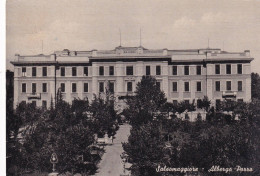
(232, 25)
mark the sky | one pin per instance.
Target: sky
(37, 26)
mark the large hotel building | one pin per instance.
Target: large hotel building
(182, 74)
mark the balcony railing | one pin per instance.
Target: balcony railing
(34, 95)
(229, 94)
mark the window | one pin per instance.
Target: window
(34, 103)
(101, 70)
(44, 87)
(218, 102)
(148, 70)
(217, 69)
(198, 69)
(74, 71)
(175, 102)
(174, 86)
(129, 70)
(186, 70)
(217, 85)
(158, 85)
(85, 87)
(187, 101)
(228, 69)
(33, 88)
(199, 103)
(111, 87)
(111, 70)
(174, 70)
(62, 87)
(34, 71)
(74, 87)
(239, 68)
(23, 71)
(24, 87)
(239, 86)
(101, 87)
(240, 100)
(158, 70)
(62, 71)
(44, 71)
(198, 86)
(44, 104)
(186, 86)
(129, 86)
(85, 71)
(228, 85)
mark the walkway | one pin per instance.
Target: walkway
(111, 163)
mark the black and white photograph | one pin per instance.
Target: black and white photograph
(131, 88)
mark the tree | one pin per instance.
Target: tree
(255, 86)
(146, 103)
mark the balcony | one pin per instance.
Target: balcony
(34, 95)
(229, 94)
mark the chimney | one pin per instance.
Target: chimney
(247, 52)
(165, 51)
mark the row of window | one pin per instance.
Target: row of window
(34, 71)
(228, 69)
(198, 86)
(229, 85)
(130, 70)
(74, 87)
(186, 86)
(199, 101)
(34, 87)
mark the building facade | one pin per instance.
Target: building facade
(182, 74)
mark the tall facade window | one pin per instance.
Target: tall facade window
(199, 86)
(217, 86)
(158, 70)
(217, 69)
(44, 104)
(186, 70)
(101, 86)
(198, 69)
(239, 68)
(239, 86)
(174, 70)
(101, 70)
(62, 71)
(148, 70)
(85, 87)
(111, 70)
(174, 86)
(175, 102)
(34, 71)
(129, 86)
(186, 86)
(228, 85)
(33, 88)
(228, 69)
(62, 87)
(85, 71)
(23, 71)
(74, 71)
(44, 71)
(129, 70)
(111, 87)
(44, 87)
(74, 87)
(218, 102)
(34, 103)
(24, 87)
